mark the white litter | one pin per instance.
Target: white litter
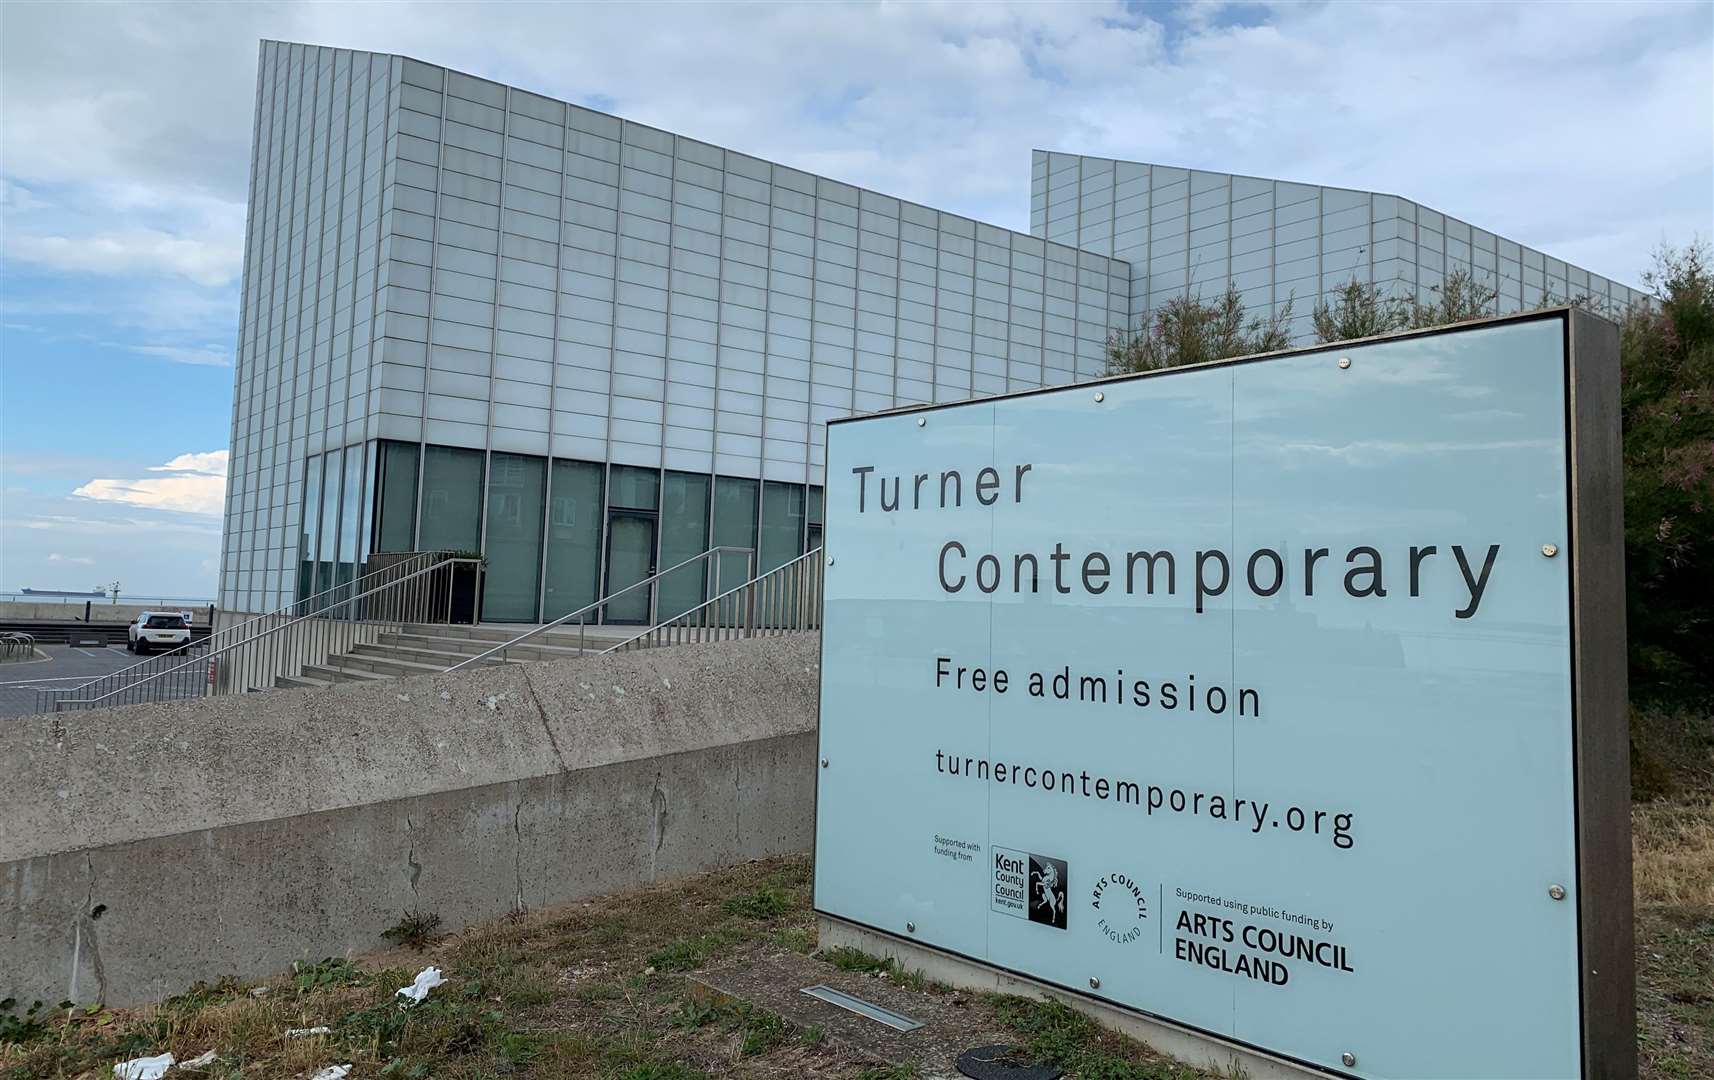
(145, 1068)
(427, 979)
(333, 1072)
(300, 1033)
(199, 1061)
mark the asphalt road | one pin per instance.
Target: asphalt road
(64, 667)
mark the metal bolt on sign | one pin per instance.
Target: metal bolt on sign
(1556, 891)
(1344, 362)
(921, 420)
(824, 763)
(1100, 397)
(830, 560)
(1348, 1059)
(910, 927)
(1550, 550)
(1094, 982)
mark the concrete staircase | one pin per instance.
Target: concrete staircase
(426, 649)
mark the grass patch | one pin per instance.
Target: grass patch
(762, 904)
(1053, 1031)
(685, 954)
(846, 958)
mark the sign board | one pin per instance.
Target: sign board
(1281, 699)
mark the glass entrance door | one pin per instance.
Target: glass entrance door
(630, 559)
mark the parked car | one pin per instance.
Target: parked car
(157, 630)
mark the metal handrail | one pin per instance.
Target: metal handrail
(582, 613)
(275, 653)
(785, 600)
(144, 670)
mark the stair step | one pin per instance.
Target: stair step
(438, 659)
(339, 674)
(381, 667)
(299, 682)
(534, 649)
(563, 637)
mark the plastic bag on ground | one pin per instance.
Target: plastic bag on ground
(427, 979)
(144, 1068)
(333, 1072)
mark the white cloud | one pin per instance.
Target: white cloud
(1578, 128)
(199, 355)
(209, 463)
(197, 486)
(206, 261)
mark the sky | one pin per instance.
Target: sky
(1586, 130)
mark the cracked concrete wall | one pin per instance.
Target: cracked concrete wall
(144, 848)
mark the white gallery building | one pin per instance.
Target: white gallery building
(475, 318)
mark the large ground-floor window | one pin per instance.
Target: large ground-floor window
(558, 534)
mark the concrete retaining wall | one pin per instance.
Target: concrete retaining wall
(143, 848)
(99, 611)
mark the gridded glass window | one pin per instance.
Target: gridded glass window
(514, 541)
(452, 500)
(782, 525)
(396, 496)
(684, 535)
(812, 533)
(350, 514)
(634, 488)
(734, 526)
(309, 529)
(329, 519)
(574, 538)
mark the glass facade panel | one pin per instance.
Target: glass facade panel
(350, 515)
(574, 538)
(812, 531)
(396, 495)
(514, 541)
(452, 500)
(734, 526)
(634, 488)
(309, 528)
(684, 535)
(630, 559)
(782, 525)
(334, 460)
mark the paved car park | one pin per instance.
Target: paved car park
(63, 666)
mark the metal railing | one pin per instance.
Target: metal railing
(785, 600)
(417, 588)
(590, 613)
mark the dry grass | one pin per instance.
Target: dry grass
(594, 990)
(1672, 846)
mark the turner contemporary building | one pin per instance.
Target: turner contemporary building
(477, 318)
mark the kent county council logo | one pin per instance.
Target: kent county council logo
(1028, 886)
(1120, 906)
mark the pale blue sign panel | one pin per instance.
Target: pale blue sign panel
(1238, 695)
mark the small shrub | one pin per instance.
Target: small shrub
(29, 1026)
(415, 929)
(694, 1013)
(331, 972)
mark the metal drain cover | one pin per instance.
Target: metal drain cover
(1000, 1062)
(862, 1008)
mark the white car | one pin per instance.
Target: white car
(157, 630)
